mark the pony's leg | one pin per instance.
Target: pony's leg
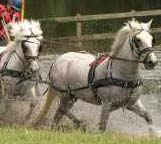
(77, 123)
(40, 110)
(66, 103)
(106, 109)
(34, 94)
(3, 100)
(60, 112)
(139, 109)
(2, 92)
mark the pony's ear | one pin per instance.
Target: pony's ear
(147, 25)
(129, 24)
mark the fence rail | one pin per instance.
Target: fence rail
(81, 18)
(79, 38)
(100, 36)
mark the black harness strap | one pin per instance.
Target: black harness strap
(116, 82)
(68, 89)
(104, 83)
(10, 72)
(13, 73)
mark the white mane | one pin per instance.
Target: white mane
(25, 28)
(130, 28)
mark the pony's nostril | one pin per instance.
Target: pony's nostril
(34, 66)
(32, 70)
(150, 63)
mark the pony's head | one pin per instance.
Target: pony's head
(29, 35)
(135, 38)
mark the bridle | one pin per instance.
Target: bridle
(24, 48)
(28, 41)
(135, 48)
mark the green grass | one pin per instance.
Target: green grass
(30, 136)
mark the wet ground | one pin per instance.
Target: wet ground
(121, 120)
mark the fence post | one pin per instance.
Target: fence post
(132, 12)
(79, 31)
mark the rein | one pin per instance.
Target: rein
(122, 59)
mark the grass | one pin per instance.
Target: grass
(30, 136)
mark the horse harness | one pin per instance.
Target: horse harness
(94, 84)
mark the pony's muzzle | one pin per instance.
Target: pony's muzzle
(151, 61)
(34, 66)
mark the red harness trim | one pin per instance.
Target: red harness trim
(97, 62)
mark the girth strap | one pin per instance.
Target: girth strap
(116, 82)
(69, 90)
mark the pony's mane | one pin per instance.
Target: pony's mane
(130, 27)
(24, 28)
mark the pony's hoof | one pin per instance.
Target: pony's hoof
(101, 127)
(155, 132)
(81, 125)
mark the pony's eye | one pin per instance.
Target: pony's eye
(138, 39)
(137, 42)
(135, 39)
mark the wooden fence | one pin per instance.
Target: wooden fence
(79, 19)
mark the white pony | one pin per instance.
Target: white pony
(110, 80)
(19, 57)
